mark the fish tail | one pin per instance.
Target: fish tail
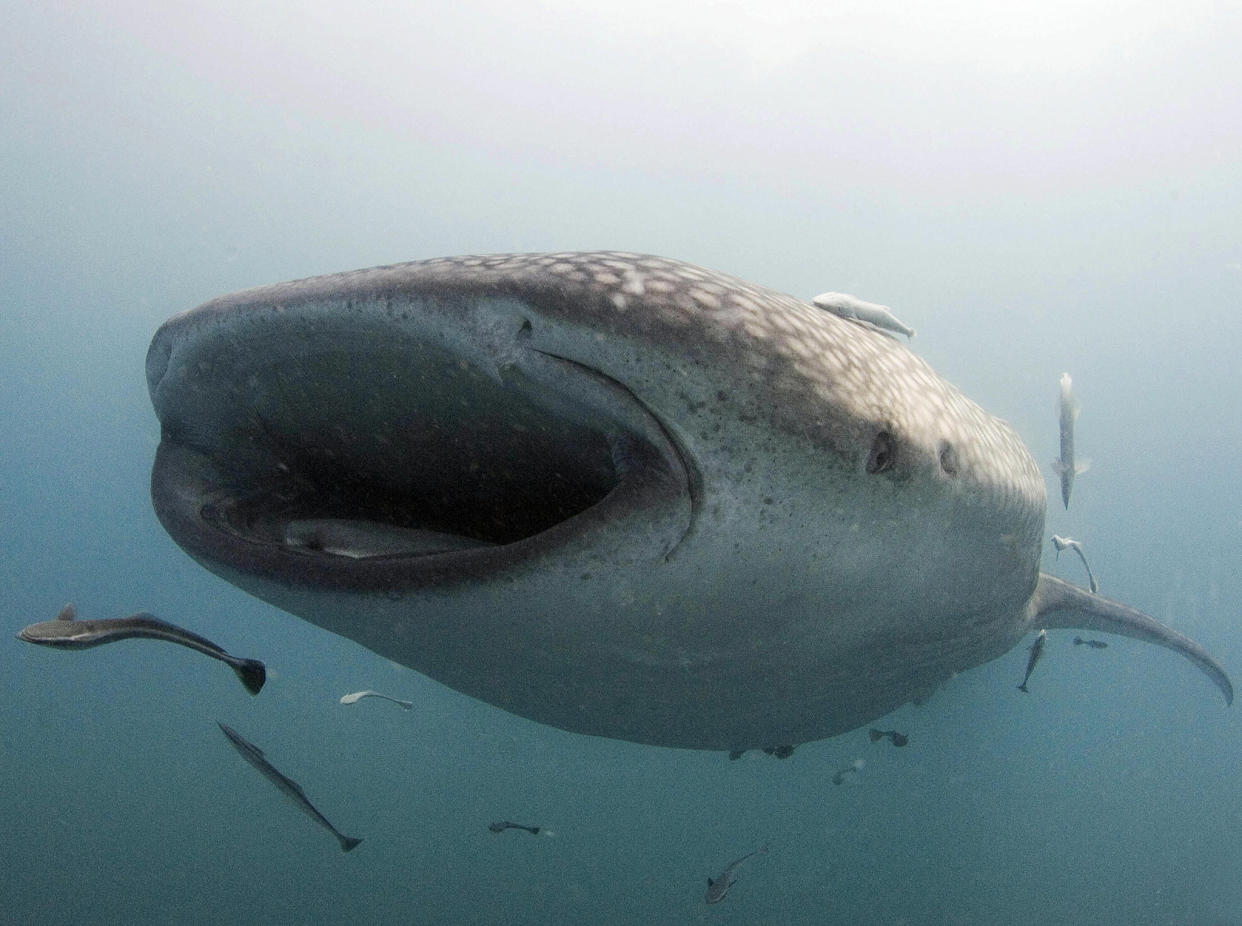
(348, 843)
(252, 674)
(1023, 687)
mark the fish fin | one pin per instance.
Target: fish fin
(872, 326)
(1060, 604)
(1057, 466)
(1081, 466)
(252, 674)
(68, 613)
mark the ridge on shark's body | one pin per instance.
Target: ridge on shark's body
(614, 493)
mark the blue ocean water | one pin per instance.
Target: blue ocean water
(1030, 210)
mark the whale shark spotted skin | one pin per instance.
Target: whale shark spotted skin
(669, 506)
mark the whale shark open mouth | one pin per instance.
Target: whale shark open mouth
(330, 448)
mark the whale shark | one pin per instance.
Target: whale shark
(615, 493)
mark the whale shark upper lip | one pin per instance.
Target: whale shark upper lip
(272, 421)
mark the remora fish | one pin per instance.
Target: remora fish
(1064, 466)
(288, 787)
(848, 306)
(502, 825)
(1063, 543)
(717, 888)
(66, 632)
(1094, 644)
(897, 739)
(357, 696)
(652, 450)
(1037, 650)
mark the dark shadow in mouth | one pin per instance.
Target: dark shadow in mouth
(407, 475)
(401, 450)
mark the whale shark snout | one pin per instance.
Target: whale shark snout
(614, 493)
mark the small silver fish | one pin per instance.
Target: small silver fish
(359, 539)
(847, 306)
(717, 888)
(357, 696)
(1068, 543)
(288, 787)
(1064, 466)
(66, 632)
(1037, 650)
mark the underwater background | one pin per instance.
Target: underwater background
(1036, 189)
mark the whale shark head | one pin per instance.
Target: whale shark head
(610, 492)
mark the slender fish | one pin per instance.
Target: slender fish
(357, 696)
(716, 889)
(502, 825)
(1068, 543)
(1037, 650)
(66, 632)
(1093, 644)
(898, 739)
(290, 788)
(1064, 465)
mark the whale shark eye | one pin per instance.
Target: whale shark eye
(883, 454)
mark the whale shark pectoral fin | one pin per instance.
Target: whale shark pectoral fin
(1060, 604)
